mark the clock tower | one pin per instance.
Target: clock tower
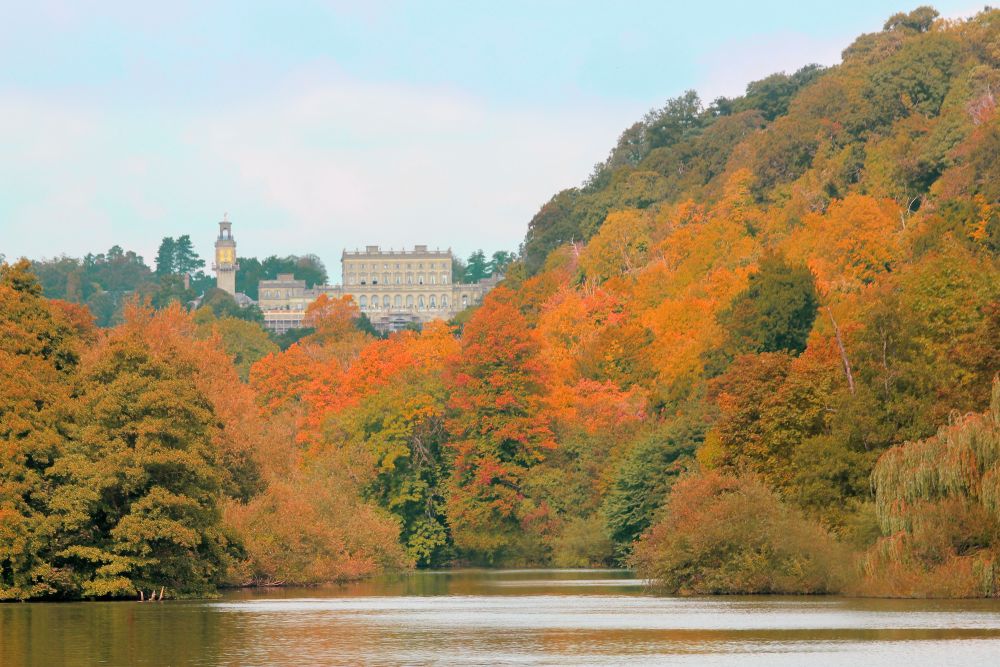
(225, 265)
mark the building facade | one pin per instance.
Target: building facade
(394, 288)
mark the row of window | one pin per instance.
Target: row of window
(396, 279)
(430, 265)
(431, 303)
(279, 293)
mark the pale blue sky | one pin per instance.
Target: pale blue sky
(320, 125)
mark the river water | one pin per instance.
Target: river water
(494, 617)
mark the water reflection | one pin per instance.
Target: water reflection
(500, 617)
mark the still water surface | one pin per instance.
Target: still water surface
(491, 617)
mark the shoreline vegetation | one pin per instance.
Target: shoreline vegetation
(755, 352)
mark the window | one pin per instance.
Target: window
(375, 302)
(398, 301)
(420, 302)
(465, 300)
(444, 301)
(409, 278)
(444, 278)
(363, 302)
(434, 279)
(433, 302)
(409, 301)
(420, 279)
(385, 302)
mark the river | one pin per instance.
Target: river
(493, 617)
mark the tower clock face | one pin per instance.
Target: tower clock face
(225, 255)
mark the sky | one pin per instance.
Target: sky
(323, 125)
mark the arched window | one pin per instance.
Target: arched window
(409, 301)
(363, 302)
(465, 301)
(420, 302)
(398, 301)
(385, 302)
(444, 301)
(433, 302)
(374, 302)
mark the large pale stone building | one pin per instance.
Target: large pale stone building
(394, 288)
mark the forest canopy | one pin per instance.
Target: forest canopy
(754, 352)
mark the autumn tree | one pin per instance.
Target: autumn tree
(496, 428)
(39, 354)
(139, 487)
(723, 535)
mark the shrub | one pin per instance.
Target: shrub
(732, 535)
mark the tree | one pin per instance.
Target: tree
(919, 20)
(776, 311)
(936, 502)
(186, 260)
(499, 262)
(476, 268)
(222, 304)
(139, 488)
(644, 479)
(496, 428)
(40, 347)
(246, 342)
(166, 262)
(731, 535)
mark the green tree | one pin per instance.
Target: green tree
(186, 260)
(222, 304)
(644, 479)
(919, 20)
(402, 428)
(499, 261)
(246, 342)
(776, 311)
(166, 262)
(476, 268)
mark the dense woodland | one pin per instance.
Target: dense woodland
(754, 352)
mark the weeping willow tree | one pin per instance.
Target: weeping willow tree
(938, 505)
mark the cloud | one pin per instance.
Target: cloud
(346, 163)
(727, 71)
(319, 164)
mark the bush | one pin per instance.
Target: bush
(729, 535)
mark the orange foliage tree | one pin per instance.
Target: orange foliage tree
(497, 428)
